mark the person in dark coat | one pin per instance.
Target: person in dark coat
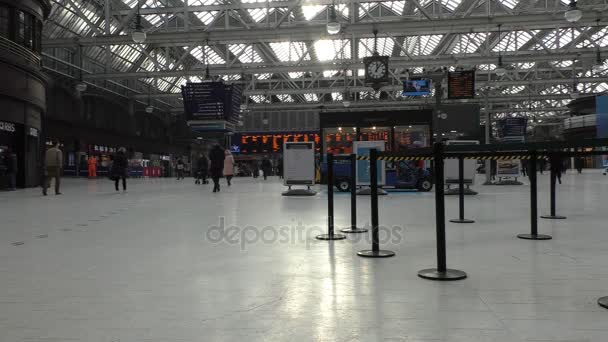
(556, 167)
(255, 169)
(203, 167)
(119, 168)
(266, 167)
(180, 166)
(524, 167)
(578, 164)
(280, 168)
(216, 158)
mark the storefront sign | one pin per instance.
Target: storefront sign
(7, 127)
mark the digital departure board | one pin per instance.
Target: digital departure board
(211, 101)
(248, 143)
(461, 84)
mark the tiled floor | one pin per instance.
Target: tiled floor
(94, 265)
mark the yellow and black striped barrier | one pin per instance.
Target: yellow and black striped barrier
(412, 158)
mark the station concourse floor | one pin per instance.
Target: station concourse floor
(98, 266)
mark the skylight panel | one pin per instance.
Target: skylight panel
(330, 73)
(421, 45)
(245, 53)
(514, 40)
(509, 3)
(525, 65)
(311, 97)
(450, 4)
(328, 50)
(336, 96)
(153, 19)
(600, 38)
(206, 17)
(290, 51)
(366, 46)
(211, 56)
(259, 99)
(486, 67)
(556, 89)
(558, 38)
(262, 76)
(342, 9)
(513, 89)
(297, 74)
(259, 14)
(365, 7)
(395, 6)
(285, 98)
(203, 2)
(561, 64)
(233, 77)
(469, 43)
(312, 11)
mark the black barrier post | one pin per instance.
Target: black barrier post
(461, 218)
(441, 272)
(375, 252)
(553, 186)
(353, 198)
(330, 203)
(533, 204)
(603, 302)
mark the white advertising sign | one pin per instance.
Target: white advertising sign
(298, 163)
(451, 173)
(362, 148)
(508, 168)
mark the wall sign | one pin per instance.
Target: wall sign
(33, 132)
(7, 127)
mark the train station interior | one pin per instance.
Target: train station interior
(303, 170)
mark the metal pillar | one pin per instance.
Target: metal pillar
(375, 252)
(330, 203)
(533, 204)
(461, 218)
(353, 198)
(441, 272)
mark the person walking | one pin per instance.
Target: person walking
(524, 167)
(266, 167)
(280, 168)
(92, 167)
(216, 160)
(556, 166)
(53, 161)
(180, 166)
(11, 169)
(228, 166)
(578, 164)
(255, 169)
(119, 168)
(202, 165)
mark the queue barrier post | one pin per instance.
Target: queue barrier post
(330, 203)
(353, 198)
(461, 218)
(441, 272)
(533, 203)
(375, 252)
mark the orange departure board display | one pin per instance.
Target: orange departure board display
(249, 143)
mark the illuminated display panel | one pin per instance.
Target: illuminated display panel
(377, 134)
(339, 140)
(250, 143)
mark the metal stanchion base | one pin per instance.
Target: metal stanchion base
(331, 237)
(556, 217)
(353, 230)
(509, 182)
(299, 192)
(448, 275)
(534, 237)
(375, 254)
(456, 191)
(603, 302)
(462, 221)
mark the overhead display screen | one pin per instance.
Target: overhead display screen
(418, 87)
(270, 142)
(461, 84)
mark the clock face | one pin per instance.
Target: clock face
(376, 70)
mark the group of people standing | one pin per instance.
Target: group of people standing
(220, 163)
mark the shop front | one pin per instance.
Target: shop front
(22, 141)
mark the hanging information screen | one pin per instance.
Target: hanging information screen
(299, 163)
(461, 84)
(211, 101)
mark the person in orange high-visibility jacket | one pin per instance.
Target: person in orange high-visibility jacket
(92, 166)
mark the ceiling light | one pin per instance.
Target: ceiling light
(138, 35)
(346, 103)
(333, 25)
(500, 69)
(81, 87)
(573, 14)
(244, 106)
(340, 129)
(149, 109)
